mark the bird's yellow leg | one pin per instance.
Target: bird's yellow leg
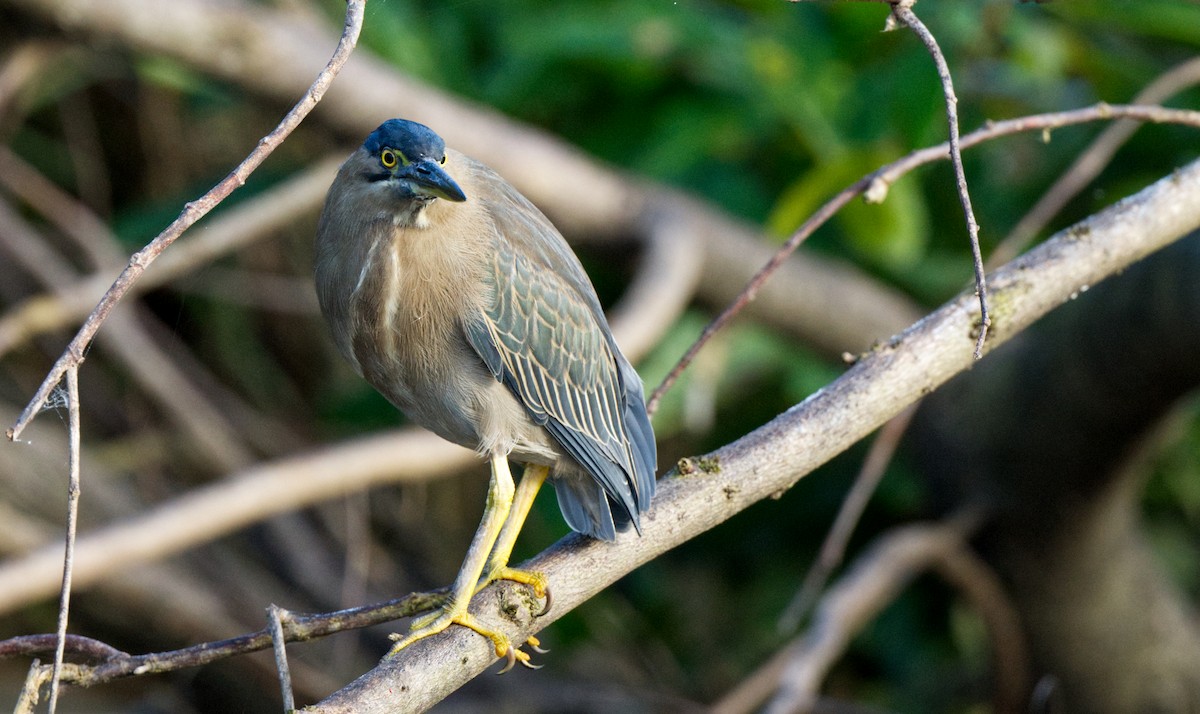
(497, 566)
(495, 514)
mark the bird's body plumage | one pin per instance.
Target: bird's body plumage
(460, 302)
(477, 321)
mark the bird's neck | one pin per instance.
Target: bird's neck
(413, 215)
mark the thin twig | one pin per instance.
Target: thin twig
(903, 13)
(73, 488)
(80, 647)
(823, 214)
(275, 618)
(28, 698)
(297, 628)
(874, 581)
(834, 548)
(874, 187)
(74, 353)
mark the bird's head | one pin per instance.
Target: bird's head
(408, 159)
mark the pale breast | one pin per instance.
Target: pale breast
(410, 345)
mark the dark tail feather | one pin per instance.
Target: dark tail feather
(641, 436)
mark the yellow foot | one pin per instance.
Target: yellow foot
(437, 622)
(535, 580)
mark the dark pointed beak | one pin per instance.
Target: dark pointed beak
(432, 180)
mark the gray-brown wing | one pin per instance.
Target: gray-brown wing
(546, 338)
(541, 338)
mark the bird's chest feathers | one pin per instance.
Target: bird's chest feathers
(411, 297)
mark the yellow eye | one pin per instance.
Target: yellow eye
(388, 159)
(443, 161)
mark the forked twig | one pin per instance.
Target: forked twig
(76, 351)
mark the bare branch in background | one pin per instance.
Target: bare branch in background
(194, 211)
(73, 489)
(873, 583)
(228, 231)
(173, 389)
(833, 550)
(254, 495)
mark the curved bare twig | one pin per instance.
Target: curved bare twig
(902, 12)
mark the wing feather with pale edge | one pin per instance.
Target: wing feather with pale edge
(544, 337)
(547, 348)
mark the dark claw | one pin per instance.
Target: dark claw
(546, 607)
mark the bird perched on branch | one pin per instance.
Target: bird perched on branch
(462, 304)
